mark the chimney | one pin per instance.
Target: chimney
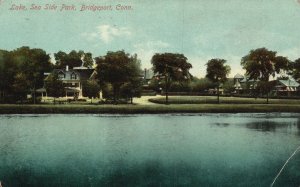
(67, 68)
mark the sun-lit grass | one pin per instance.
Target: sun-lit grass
(223, 100)
(147, 109)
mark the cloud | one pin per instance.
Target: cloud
(107, 33)
(146, 50)
(292, 53)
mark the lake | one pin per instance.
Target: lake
(149, 150)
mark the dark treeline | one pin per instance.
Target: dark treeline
(119, 74)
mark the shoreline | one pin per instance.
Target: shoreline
(148, 109)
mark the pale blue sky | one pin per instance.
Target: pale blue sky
(200, 29)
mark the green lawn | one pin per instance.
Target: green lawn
(147, 109)
(223, 100)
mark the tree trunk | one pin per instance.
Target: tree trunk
(166, 89)
(91, 100)
(34, 101)
(115, 95)
(268, 98)
(131, 100)
(218, 90)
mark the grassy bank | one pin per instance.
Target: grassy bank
(146, 109)
(223, 100)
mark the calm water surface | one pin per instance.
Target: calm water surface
(149, 150)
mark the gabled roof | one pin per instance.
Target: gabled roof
(82, 73)
(289, 82)
(238, 76)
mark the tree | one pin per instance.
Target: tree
(73, 59)
(54, 86)
(217, 72)
(32, 63)
(262, 63)
(171, 67)
(282, 65)
(20, 86)
(228, 86)
(296, 69)
(201, 85)
(133, 87)
(91, 89)
(113, 68)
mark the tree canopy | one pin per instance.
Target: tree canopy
(171, 67)
(117, 68)
(32, 63)
(73, 59)
(216, 70)
(260, 64)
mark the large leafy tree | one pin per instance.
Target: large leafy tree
(32, 63)
(73, 59)
(171, 67)
(113, 68)
(8, 71)
(20, 86)
(91, 89)
(295, 67)
(260, 64)
(54, 86)
(133, 87)
(217, 72)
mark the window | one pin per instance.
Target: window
(61, 75)
(73, 76)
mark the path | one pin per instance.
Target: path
(144, 100)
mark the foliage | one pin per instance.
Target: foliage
(32, 63)
(20, 86)
(296, 69)
(201, 85)
(73, 59)
(217, 71)
(228, 86)
(118, 68)
(260, 64)
(282, 64)
(90, 88)
(171, 67)
(54, 86)
(133, 87)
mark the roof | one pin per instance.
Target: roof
(148, 74)
(238, 76)
(81, 74)
(289, 82)
(40, 90)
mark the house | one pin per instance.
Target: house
(147, 76)
(237, 81)
(286, 87)
(72, 80)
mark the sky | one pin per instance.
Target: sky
(199, 29)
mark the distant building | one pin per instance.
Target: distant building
(148, 75)
(237, 81)
(72, 79)
(286, 87)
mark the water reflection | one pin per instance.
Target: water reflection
(272, 126)
(148, 150)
